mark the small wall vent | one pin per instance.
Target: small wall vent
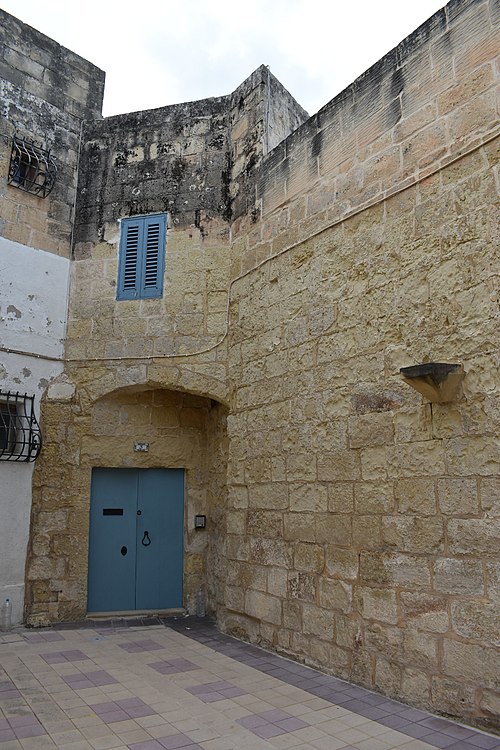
(20, 434)
(32, 168)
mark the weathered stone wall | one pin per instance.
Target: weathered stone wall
(183, 160)
(172, 160)
(362, 521)
(178, 160)
(46, 91)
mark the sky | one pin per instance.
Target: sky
(159, 52)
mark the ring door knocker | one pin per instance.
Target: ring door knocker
(146, 541)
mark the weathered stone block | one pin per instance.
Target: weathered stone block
(413, 534)
(341, 562)
(490, 703)
(235, 521)
(371, 429)
(374, 464)
(302, 586)
(490, 495)
(299, 527)
(385, 640)
(416, 424)
(394, 570)
(277, 580)
(271, 552)
(333, 527)
(234, 598)
(471, 662)
(318, 622)
(420, 650)
(272, 496)
(458, 576)
(262, 523)
(308, 497)
(416, 459)
(377, 604)
(472, 456)
(388, 677)
(458, 497)
(308, 557)
(340, 465)
(425, 611)
(366, 532)
(474, 536)
(477, 621)
(373, 497)
(292, 616)
(263, 606)
(416, 495)
(452, 695)
(335, 595)
(301, 467)
(340, 497)
(415, 686)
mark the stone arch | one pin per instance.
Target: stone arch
(96, 425)
(97, 382)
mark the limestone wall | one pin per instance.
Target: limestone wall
(46, 91)
(363, 522)
(182, 161)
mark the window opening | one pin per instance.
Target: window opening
(32, 168)
(20, 434)
(142, 257)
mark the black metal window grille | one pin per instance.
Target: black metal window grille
(20, 434)
(32, 168)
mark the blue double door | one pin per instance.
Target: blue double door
(136, 539)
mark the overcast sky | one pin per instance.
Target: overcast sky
(159, 52)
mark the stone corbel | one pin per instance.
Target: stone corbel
(436, 381)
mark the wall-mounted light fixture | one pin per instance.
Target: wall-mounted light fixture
(436, 381)
(200, 522)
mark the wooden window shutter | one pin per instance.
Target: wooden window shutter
(142, 256)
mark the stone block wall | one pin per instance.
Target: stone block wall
(46, 92)
(172, 160)
(363, 521)
(181, 161)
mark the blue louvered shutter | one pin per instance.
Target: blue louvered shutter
(141, 262)
(153, 256)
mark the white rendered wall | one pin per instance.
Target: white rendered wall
(33, 311)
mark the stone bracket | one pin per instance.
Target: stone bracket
(436, 381)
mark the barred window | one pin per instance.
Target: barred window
(32, 168)
(20, 435)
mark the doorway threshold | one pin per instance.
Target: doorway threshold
(136, 613)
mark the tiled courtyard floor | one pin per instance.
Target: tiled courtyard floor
(181, 684)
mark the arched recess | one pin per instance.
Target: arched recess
(207, 380)
(181, 430)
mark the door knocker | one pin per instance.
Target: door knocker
(146, 541)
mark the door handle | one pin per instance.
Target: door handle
(146, 541)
